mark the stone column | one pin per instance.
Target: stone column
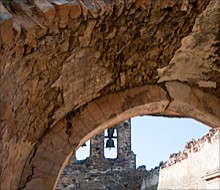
(97, 146)
(124, 138)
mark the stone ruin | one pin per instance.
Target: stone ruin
(192, 146)
(97, 172)
(196, 167)
(70, 68)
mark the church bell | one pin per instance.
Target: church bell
(110, 143)
(84, 145)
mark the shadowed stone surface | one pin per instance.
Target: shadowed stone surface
(69, 69)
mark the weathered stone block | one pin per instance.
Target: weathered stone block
(75, 9)
(85, 41)
(97, 114)
(28, 27)
(63, 11)
(6, 26)
(46, 9)
(17, 30)
(102, 6)
(92, 8)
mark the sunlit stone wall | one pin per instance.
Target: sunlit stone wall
(191, 168)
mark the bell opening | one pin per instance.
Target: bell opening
(110, 144)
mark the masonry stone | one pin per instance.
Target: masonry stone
(189, 169)
(98, 172)
(58, 59)
(196, 167)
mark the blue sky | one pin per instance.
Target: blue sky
(155, 138)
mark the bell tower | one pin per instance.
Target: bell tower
(97, 146)
(118, 137)
(124, 152)
(119, 172)
(120, 134)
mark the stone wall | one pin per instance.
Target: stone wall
(97, 172)
(187, 169)
(63, 62)
(149, 178)
(196, 167)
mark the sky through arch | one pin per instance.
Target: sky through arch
(154, 138)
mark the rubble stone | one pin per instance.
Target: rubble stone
(53, 68)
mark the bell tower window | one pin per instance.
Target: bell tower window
(110, 142)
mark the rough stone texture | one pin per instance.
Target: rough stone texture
(150, 179)
(195, 59)
(61, 62)
(97, 172)
(97, 147)
(186, 101)
(109, 174)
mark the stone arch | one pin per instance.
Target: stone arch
(53, 68)
(177, 100)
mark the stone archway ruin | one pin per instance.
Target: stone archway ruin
(69, 69)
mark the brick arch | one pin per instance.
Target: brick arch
(66, 136)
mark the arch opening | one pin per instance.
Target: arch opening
(185, 124)
(61, 60)
(101, 114)
(110, 144)
(83, 152)
(154, 130)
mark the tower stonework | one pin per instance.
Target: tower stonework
(100, 173)
(124, 151)
(97, 172)
(124, 138)
(97, 147)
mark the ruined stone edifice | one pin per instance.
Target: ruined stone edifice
(196, 167)
(69, 69)
(99, 173)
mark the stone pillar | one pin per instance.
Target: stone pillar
(97, 146)
(124, 138)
